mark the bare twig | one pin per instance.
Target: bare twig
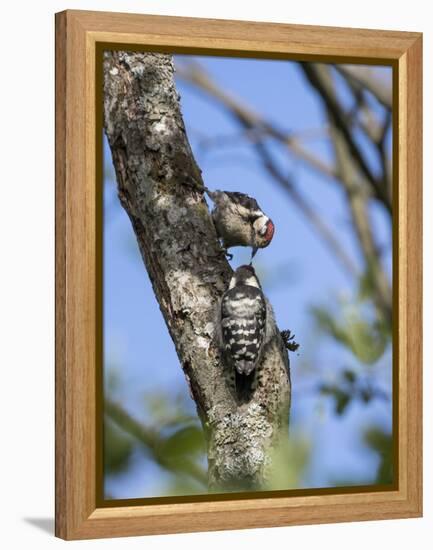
(306, 209)
(195, 75)
(352, 180)
(320, 78)
(362, 77)
(358, 202)
(384, 157)
(376, 131)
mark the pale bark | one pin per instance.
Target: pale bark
(158, 181)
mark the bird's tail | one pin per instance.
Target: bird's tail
(244, 386)
(245, 376)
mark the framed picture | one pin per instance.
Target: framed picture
(238, 274)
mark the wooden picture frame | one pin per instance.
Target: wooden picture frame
(79, 37)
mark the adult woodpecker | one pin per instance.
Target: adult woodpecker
(240, 221)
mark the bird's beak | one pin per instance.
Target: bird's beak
(255, 248)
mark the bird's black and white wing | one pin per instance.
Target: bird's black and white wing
(243, 326)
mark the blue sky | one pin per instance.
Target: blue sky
(296, 269)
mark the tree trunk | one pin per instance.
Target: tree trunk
(159, 187)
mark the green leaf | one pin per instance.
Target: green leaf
(382, 443)
(117, 449)
(342, 398)
(367, 341)
(289, 459)
(366, 285)
(350, 376)
(188, 441)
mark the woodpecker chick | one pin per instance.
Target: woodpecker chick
(243, 326)
(240, 221)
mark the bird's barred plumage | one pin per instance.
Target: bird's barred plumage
(243, 321)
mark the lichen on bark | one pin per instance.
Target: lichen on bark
(159, 187)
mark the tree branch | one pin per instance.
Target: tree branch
(358, 203)
(150, 439)
(349, 165)
(362, 76)
(307, 210)
(320, 78)
(368, 122)
(158, 181)
(195, 75)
